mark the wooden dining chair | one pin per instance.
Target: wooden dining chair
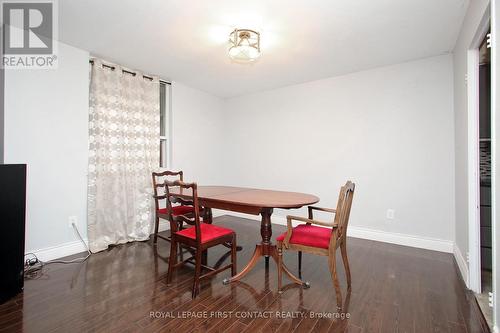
(200, 236)
(321, 238)
(159, 196)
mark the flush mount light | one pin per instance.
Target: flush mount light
(245, 45)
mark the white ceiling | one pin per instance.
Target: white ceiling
(186, 41)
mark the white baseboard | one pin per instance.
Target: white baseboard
(70, 248)
(462, 264)
(59, 251)
(434, 244)
(427, 243)
(66, 249)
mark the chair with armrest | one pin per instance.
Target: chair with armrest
(159, 196)
(199, 237)
(321, 238)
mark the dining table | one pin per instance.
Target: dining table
(255, 202)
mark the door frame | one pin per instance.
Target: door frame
(474, 255)
(495, 17)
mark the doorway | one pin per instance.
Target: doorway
(485, 216)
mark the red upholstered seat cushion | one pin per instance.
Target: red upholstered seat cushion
(309, 235)
(208, 232)
(177, 210)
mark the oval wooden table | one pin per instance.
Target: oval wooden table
(251, 201)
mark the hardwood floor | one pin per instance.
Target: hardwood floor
(394, 289)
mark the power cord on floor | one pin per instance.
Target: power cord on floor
(33, 266)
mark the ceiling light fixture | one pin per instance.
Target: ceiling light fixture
(245, 45)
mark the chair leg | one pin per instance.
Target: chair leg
(207, 217)
(299, 255)
(157, 223)
(332, 263)
(233, 256)
(204, 257)
(172, 261)
(181, 252)
(280, 267)
(197, 272)
(343, 250)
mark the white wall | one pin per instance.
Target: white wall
(390, 130)
(46, 117)
(197, 134)
(46, 122)
(2, 106)
(471, 22)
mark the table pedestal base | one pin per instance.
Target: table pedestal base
(265, 249)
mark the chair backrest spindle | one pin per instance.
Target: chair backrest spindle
(343, 210)
(193, 219)
(159, 184)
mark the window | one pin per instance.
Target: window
(164, 124)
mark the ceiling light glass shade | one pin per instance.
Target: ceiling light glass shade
(245, 45)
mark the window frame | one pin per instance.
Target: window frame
(165, 124)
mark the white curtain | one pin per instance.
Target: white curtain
(124, 137)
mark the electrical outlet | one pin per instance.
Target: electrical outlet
(490, 299)
(72, 220)
(390, 214)
(467, 258)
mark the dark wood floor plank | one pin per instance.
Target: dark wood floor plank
(394, 289)
(237, 327)
(247, 296)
